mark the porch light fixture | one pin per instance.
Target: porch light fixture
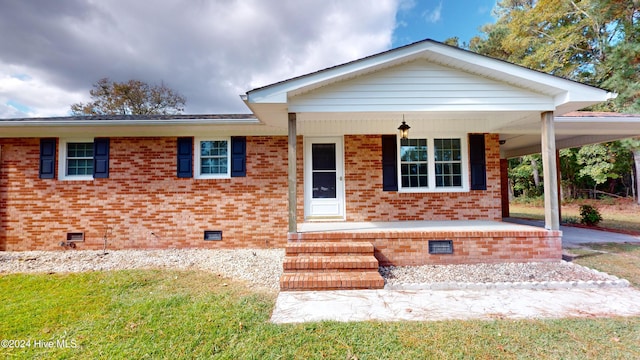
(404, 130)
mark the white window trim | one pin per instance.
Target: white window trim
(196, 159)
(62, 159)
(464, 149)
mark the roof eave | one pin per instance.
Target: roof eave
(116, 123)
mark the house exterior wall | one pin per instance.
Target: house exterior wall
(366, 201)
(143, 196)
(143, 204)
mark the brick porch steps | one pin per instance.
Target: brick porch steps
(330, 266)
(330, 263)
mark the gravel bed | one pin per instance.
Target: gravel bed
(259, 267)
(506, 273)
(263, 267)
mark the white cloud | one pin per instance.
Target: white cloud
(433, 16)
(210, 51)
(406, 5)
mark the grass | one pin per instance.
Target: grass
(623, 260)
(196, 314)
(620, 214)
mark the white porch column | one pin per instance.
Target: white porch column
(292, 178)
(550, 173)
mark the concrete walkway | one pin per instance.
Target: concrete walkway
(434, 305)
(466, 304)
(575, 236)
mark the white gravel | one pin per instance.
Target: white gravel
(259, 267)
(493, 273)
(263, 267)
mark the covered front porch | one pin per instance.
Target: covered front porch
(346, 255)
(435, 195)
(411, 243)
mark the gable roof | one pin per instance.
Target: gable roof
(568, 95)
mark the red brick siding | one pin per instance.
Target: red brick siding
(411, 248)
(143, 195)
(365, 200)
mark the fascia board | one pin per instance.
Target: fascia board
(109, 123)
(557, 86)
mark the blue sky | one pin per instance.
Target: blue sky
(209, 51)
(441, 19)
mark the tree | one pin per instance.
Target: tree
(521, 175)
(597, 163)
(133, 97)
(591, 41)
(634, 147)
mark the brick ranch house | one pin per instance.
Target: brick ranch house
(319, 158)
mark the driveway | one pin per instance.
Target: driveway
(575, 236)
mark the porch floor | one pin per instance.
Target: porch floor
(413, 226)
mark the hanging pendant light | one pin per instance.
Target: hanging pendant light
(404, 129)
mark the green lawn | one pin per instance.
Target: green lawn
(621, 215)
(196, 314)
(623, 260)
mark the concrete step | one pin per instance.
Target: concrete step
(328, 248)
(331, 280)
(303, 262)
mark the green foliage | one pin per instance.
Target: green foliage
(592, 41)
(133, 97)
(624, 58)
(570, 220)
(597, 163)
(521, 175)
(590, 215)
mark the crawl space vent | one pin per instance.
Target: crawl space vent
(440, 247)
(75, 236)
(212, 235)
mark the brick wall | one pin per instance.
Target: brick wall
(365, 200)
(142, 196)
(411, 248)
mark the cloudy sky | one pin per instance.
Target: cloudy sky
(211, 51)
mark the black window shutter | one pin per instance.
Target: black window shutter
(47, 158)
(238, 156)
(389, 163)
(185, 157)
(477, 162)
(101, 158)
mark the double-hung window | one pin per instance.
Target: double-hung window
(448, 162)
(79, 159)
(414, 163)
(433, 164)
(83, 159)
(76, 159)
(213, 158)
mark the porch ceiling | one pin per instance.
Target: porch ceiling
(572, 130)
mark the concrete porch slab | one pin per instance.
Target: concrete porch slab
(414, 226)
(436, 305)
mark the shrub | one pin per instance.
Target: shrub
(590, 215)
(570, 220)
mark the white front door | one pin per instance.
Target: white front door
(323, 178)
